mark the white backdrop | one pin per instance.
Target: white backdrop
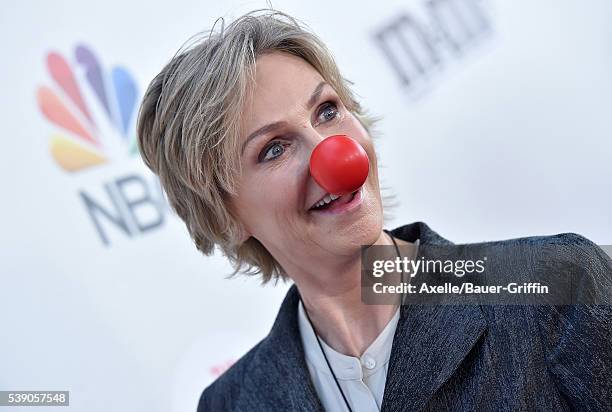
(507, 135)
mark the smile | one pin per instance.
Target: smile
(342, 204)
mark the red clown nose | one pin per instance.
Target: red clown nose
(339, 164)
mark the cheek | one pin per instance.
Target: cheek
(272, 195)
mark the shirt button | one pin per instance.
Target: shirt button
(368, 362)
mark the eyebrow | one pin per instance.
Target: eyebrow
(276, 125)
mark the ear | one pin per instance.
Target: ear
(242, 236)
(243, 233)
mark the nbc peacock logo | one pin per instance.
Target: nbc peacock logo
(93, 110)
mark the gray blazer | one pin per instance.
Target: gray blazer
(455, 357)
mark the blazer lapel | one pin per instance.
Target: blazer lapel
(284, 364)
(430, 340)
(430, 343)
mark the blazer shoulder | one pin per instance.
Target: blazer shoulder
(576, 336)
(572, 243)
(582, 250)
(223, 393)
(567, 238)
(564, 250)
(587, 267)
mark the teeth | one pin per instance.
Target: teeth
(328, 198)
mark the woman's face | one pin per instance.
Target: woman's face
(276, 191)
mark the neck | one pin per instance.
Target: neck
(338, 313)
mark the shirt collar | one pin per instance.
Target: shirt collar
(347, 367)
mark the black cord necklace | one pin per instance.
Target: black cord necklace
(319, 341)
(399, 256)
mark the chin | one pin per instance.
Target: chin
(367, 230)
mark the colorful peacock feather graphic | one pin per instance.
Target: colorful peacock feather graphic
(67, 108)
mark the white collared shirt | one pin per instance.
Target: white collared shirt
(362, 379)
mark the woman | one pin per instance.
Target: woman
(229, 126)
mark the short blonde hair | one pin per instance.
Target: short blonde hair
(188, 126)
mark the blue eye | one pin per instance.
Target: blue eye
(275, 152)
(329, 114)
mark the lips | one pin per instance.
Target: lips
(336, 203)
(321, 198)
(328, 197)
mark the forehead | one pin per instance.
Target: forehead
(283, 84)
